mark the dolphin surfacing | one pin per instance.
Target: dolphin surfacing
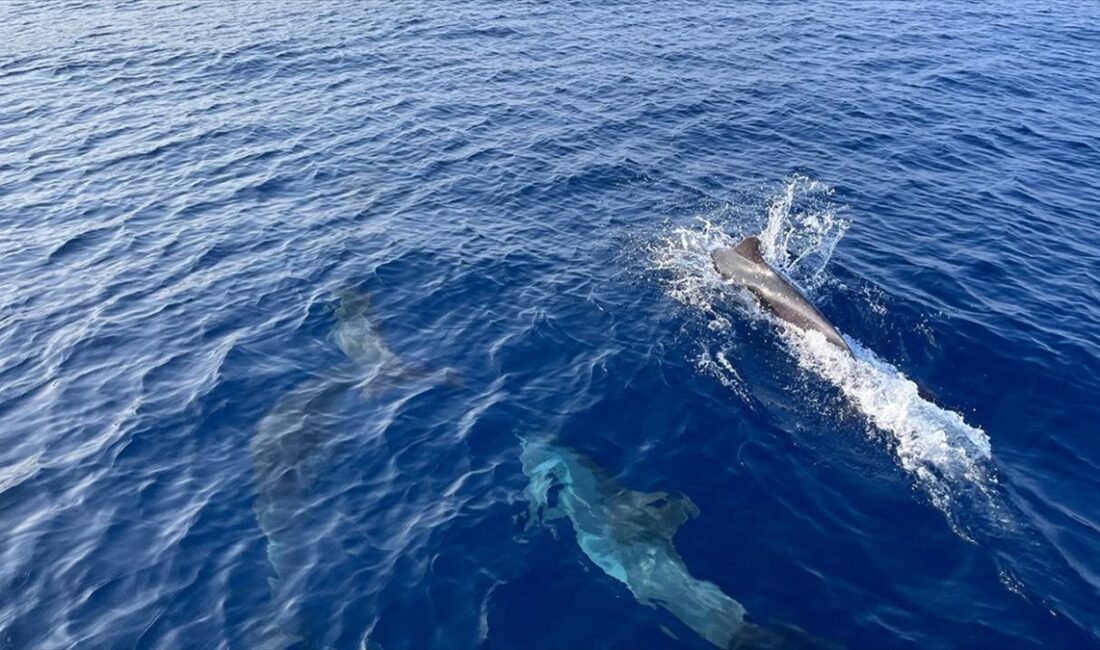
(745, 265)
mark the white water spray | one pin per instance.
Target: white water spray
(947, 457)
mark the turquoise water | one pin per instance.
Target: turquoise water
(289, 288)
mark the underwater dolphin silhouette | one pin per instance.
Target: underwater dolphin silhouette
(293, 445)
(629, 535)
(745, 265)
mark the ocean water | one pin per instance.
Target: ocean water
(393, 325)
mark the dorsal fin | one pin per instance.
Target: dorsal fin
(749, 248)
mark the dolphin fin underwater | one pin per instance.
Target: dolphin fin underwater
(360, 339)
(744, 264)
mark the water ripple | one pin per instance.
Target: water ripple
(189, 193)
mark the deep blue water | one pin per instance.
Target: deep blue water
(288, 287)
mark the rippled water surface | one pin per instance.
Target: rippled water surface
(393, 325)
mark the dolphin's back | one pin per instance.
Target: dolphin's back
(745, 264)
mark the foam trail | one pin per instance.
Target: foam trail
(952, 462)
(948, 458)
(935, 445)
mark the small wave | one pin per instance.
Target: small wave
(18, 472)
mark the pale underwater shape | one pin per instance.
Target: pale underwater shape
(357, 336)
(628, 534)
(292, 445)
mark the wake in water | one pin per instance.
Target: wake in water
(934, 444)
(948, 458)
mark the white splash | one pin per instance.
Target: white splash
(803, 228)
(934, 444)
(799, 231)
(947, 456)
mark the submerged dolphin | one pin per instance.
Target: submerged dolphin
(289, 452)
(744, 264)
(628, 535)
(294, 443)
